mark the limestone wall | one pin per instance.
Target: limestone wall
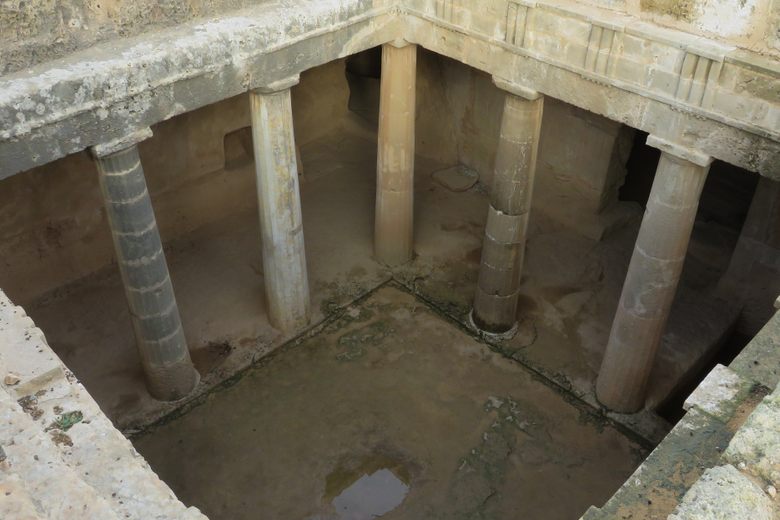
(748, 24)
(37, 31)
(582, 156)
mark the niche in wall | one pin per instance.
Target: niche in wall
(238, 148)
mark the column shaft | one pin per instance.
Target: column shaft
(651, 283)
(158, 330)
(279, 202)
(394, 224)
(498, 285)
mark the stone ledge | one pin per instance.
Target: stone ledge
(756, 446)
(15, 501)
(747, 436)
(94, 462)
(723, 493)
(544, 24)
(622, 99)
(27, 364)
(120, 86)
(66, 106)
(721, 393)
(760, 359)
(55, 489)
(658, 485)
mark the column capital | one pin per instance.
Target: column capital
(278, 85)
(679, 151)
(516, 89)
(120, 143)
(399, 43)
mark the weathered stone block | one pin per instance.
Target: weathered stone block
(720, 394)
(757, 443)
(723, 493)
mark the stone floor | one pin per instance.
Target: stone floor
(570, 287)
(389, 408)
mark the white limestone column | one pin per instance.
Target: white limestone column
(394, 223)
(279, 202)
(169, 371)
(652, 278)
(498, 285)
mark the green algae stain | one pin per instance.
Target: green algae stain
(482, 472)
(680, 9)
(66, 420)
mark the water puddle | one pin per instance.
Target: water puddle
(367, 490)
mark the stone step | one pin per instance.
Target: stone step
(106, 459)
(726, 492)
(657, 486)
(15, 502)
(87, 441)
(31, 455)
(27, 364)
(715, 410)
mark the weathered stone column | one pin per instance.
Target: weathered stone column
(170, 374)
(394, 224)
(498, 285)
(279, 202)
(652, 276)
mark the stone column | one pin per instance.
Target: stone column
(394, 224)
(279, 202)
(652, 276)
(170, 374)
(498, 285)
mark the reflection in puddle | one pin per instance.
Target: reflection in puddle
(368, 488)
(371, 496)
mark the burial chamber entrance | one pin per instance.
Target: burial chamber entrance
(427, 320)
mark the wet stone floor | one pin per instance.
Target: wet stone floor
(389, 411)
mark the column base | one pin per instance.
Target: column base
(492, 336)
(394, 227)
(172, 382)
(287, 325)
(495, 313)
